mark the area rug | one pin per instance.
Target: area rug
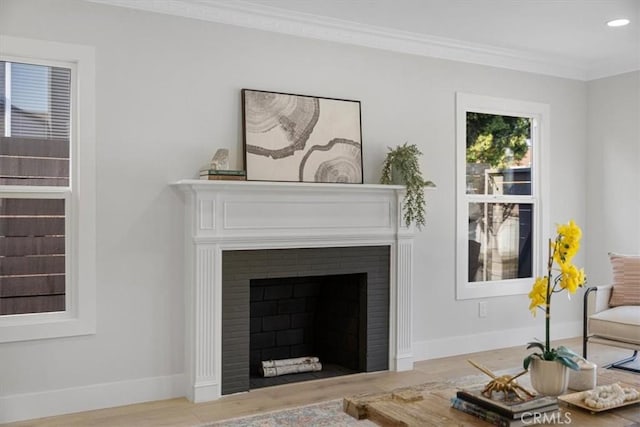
(325, 414)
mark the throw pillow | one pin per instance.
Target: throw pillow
(626, 280)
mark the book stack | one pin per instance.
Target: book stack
(224, 175)
(510, 413)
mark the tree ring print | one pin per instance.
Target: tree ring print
(338, 161)
(299, 138)
(296, 116)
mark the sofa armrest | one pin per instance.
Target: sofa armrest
(597, 300)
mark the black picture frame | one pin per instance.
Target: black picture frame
(301, 138)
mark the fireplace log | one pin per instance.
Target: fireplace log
(285, 362)
(291, 369)
(274, 368)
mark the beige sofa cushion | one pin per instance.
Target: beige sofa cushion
(618, 323)
(626, 280)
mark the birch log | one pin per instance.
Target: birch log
(291, 369)
(284, 362)
(274, 368)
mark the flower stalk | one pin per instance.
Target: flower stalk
(547, 317)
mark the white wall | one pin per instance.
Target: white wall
(168, 95)
(613, 199)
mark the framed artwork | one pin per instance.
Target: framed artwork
(300, 138)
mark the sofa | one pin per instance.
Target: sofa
(612, 312)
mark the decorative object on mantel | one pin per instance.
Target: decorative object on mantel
(299, 138)
(549, 367)
(223, 175)
(401, 167)
(220, 160)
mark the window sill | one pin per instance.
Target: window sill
(494, 289)
(26, 327)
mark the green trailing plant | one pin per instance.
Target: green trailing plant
(401, 166)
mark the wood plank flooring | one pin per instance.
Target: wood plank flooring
(180, 412)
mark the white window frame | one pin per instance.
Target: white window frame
(540, 122)
(79, 317)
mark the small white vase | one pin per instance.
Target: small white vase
(548, 377)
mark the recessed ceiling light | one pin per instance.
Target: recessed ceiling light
(618, 22)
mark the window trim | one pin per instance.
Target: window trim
(79, 318)
(540, 113)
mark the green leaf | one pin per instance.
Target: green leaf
(568, 363)
(527, 360)
(566, 352)
(535, 344)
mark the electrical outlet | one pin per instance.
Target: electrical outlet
(482, 309)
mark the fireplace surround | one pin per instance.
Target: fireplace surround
(223, 219)
(285, 303)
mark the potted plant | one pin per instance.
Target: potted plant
(401, 167)
(549, 366)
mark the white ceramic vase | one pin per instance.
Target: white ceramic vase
(548, 377)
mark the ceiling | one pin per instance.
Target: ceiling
(568, 38)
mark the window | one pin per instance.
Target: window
(35, 152)
(500, 189)
(47, 225)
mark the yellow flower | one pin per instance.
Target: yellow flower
(569, 230)
(561, 250)
(538, 294)
(567, 243)
(572, 278)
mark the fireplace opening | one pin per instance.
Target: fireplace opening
(312, 316)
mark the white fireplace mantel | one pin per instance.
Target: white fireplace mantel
(242, 215)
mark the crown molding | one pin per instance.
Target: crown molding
(609, 69)
(249, 15)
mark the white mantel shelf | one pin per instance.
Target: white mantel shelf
(202, 183)
(248, 215)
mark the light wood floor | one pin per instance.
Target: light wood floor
(180, 412)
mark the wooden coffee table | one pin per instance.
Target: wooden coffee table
(429, 404)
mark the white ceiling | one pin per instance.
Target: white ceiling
(568, 38)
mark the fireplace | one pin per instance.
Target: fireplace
(332, 303)
(247, 239)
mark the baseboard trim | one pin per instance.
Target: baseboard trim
(28, 406)
(403, 363)
(19, 407)
(452, 346)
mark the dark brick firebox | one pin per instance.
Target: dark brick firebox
(322, 316)
(283, 285)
